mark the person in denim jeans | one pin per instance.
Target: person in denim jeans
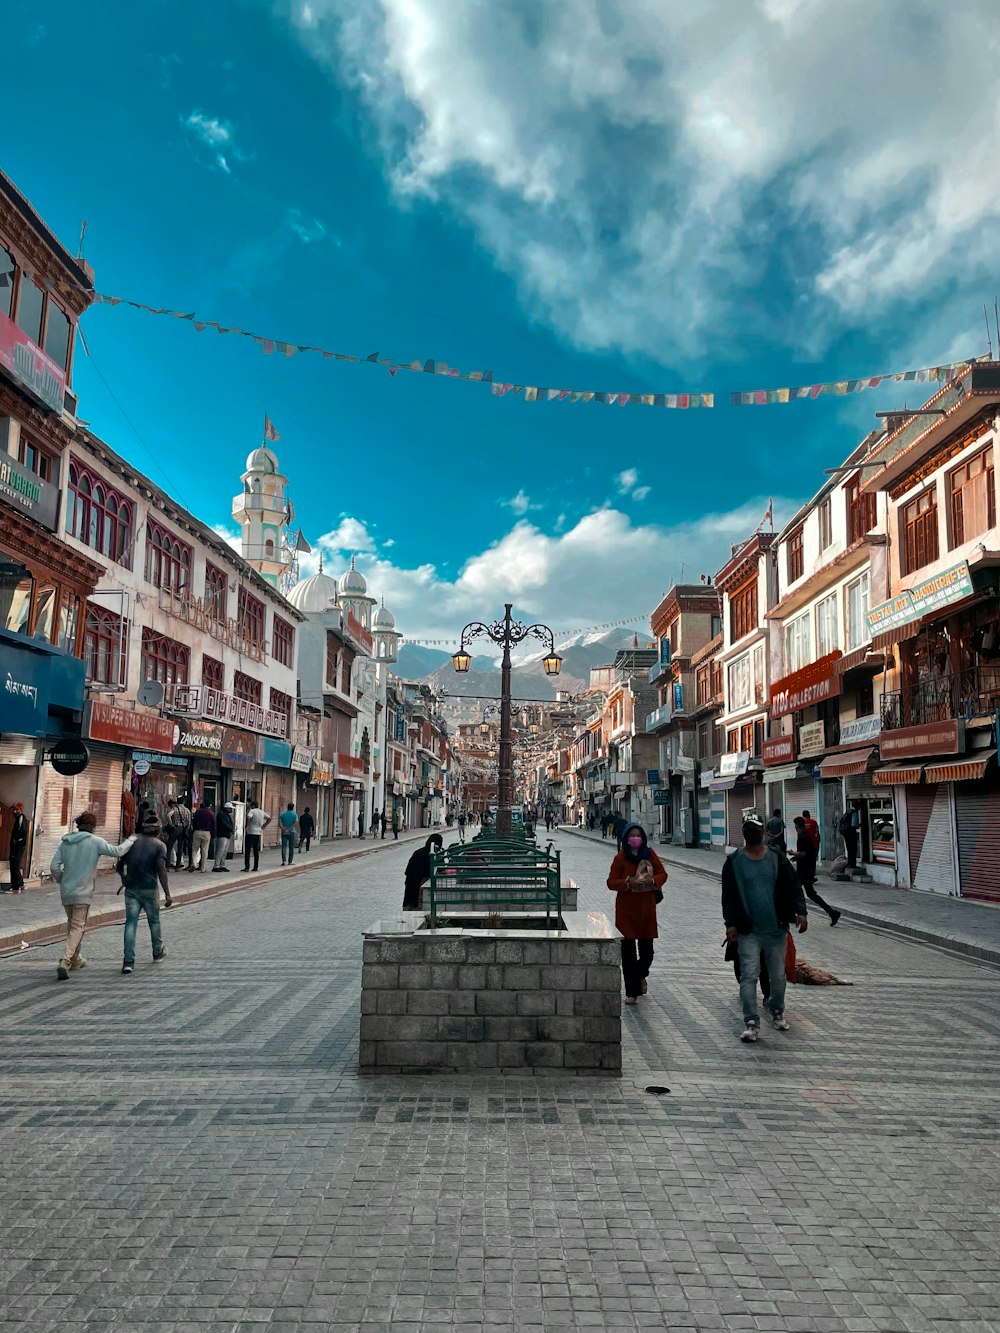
(289, 822)
(144, 872)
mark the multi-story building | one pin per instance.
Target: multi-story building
(939, 628)
(44, 580)
(708, 737)
(749, 585)
(687, 618)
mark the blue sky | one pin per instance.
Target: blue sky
(596, 194)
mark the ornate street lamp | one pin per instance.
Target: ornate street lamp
(506, 633)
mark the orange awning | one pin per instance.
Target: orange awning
(846, 765)
(960, 770)
(906, 776)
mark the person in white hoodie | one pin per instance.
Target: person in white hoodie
(74, 868)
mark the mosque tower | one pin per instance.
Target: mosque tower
(264, 513)
(352, 593)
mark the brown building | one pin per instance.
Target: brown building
(44, 583)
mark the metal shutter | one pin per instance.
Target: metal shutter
(97, 788)
(933, 867)
(977, 814)
(919, 804)
(718, 818)
(704, 818)
(800, 794)
(735, 801)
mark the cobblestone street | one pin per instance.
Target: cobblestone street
(191, 1147)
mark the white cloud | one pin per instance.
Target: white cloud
(602, 568)
(641, 492)
(216, 135)
(626, 480)
(229, 535)
(636, 173)
(519, 503)
(307, 229)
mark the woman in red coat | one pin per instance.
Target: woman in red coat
(637, 878)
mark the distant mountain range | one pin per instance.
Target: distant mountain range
(528, 678)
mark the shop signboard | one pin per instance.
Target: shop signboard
(949, 586)
(921, 742)
(69, 757)
(684, 763)
(861, 729)
(653, 777)
(147, 759)
(322, 773)
(302, 759)
(198, 739)
(277, 754)
(24, 691)
(44, 378)
(239, 748)
(678, 697)
(812, 739)
(707, 777)
(811, 685)
(124, 726)
(30, 494)
(349, 766)
(661, 797)
(734, 764)
(779, 750)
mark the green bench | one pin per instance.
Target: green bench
(484, 880)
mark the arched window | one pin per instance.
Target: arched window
(269, 549)
(168, 559)
(98, 516)
(104, 646)
(164, 659)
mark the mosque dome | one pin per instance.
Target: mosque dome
(383, 619)
(353, 583)
(318, 593)
(262, 459)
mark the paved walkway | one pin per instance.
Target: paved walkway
(191, 1149)
(37, 915)
(958, 924)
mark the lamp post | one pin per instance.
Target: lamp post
(506, 633)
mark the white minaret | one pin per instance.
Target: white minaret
(385, 635)
(264, 513)
(352, 593)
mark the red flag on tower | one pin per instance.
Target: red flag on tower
(269, 431)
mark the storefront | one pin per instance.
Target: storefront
(200, 744)
(279, 780)
(242, 777)
(319, 797)
(741, 791)
(924, 805)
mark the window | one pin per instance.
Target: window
(743, 610)
(856, 612)
(216, 586)
(282, 642)
(29, 309)
(795, 555)
(703, 685)
(45, 611)
(860, 511)
(716, 680)
(826, 626)
(716, 626)
(797, 645)
(282, 703)
(245, 687)
(758, 674)
(746, 736)
(345, 674)
(332, 661)
(213, 674)
(69, 620)
(825, 524)
(57, 334)
(98, 515)
(16, 590)
(251, 620)
(168, 559)
(918, 523)
(34, 460)
(6, 282)
(973, 498)
(104, 641)
(739, 683)
(733, 741)
(164, 659)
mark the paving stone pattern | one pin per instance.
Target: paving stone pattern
(191, 1148)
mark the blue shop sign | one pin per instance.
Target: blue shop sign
(24, 691)
(678, 697)
(278, 754)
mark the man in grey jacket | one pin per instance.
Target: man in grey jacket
(74, 868)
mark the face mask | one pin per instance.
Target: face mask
(635, 843)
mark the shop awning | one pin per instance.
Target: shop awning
(846, 765)
(960, 770)
(906, 775)
(723, 784)
(785, 773)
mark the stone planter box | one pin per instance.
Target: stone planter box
(459, 1000)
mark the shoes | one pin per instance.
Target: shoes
(6, 889)
(77, 963)
(246, 870)
(17, 890)
(162, 954)
(643, 987)
(62, 969)
(283, 863)
(834, 917)
(751, 1032)
(126, 969)
(779, 1022)
(630, 999)
(217, 870)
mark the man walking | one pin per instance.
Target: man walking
(775, 828)
(204, 831)
(74, 868)
(185, 838)
(307, 827)
(461, 825)
(18, 844)
(384, 822)
(225, 827)
(374, 824)
(850, 823)
(173, 831)
(812, 828)
(144, 872)
(395, 823)
(804, 857)
(289, 822)
(761, 895)
(255, 824)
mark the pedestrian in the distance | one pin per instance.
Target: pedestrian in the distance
(361, 823)
(761, 897)
(143, 869)
(383, 821)
(172, 830)
(307, 827)
(848, 828)
(812, 828)
(775, 830)
(804, 857)
(373, 828)
(18, 845)
(418, 870)
(74, 868)
(203, 826)
(461, 825)
(225, 827)
(636, 878)
(395, 824)
(255, 823)
(289, 822)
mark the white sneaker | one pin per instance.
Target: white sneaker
(751, 1032)
(780, 1022)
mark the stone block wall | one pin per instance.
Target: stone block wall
(455, 1003)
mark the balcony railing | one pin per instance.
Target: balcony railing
(963, 695)
(659, 717)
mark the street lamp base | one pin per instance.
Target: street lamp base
(504, 823)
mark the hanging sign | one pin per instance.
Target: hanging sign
(69, 757)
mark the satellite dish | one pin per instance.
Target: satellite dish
(150, 694)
